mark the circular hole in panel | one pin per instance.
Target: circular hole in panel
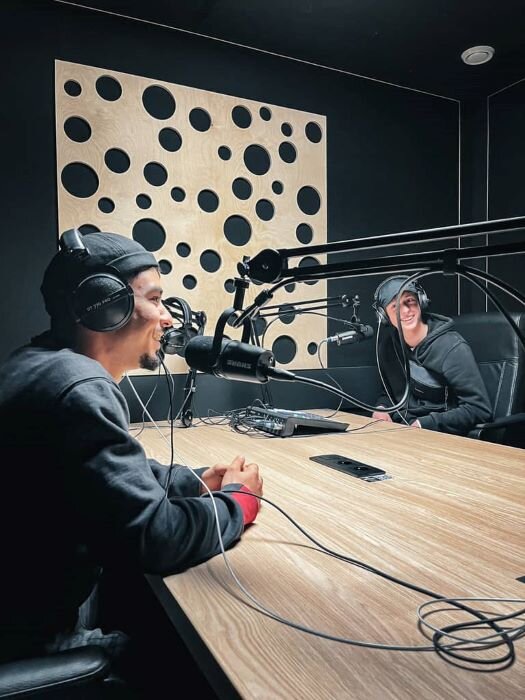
(77, 129)
(287, 152)
(88, 228)
(183, 249)
(149, 233)
(165, 267)
(241, 117)
(257, 159)
(200, 119)
(277, 187)
(284, 348)
(117, 160)
(170, 139)
(309, 261)
(108, 88)
(286, 129)
(158, 102)
(237, 230)
(241, 188)
(308, 200)
(106, 205)
(290, 287)
(260, 325)
(189, 281)
(79, 179)
(313, 132)
(287, 313)
(312, 348)
(155, 174)
(208, 200)
(72, 88)
(143, 201)
(264, 209)
(210, 261)
(178, 194)
(224, 153)
(265, 113)
(229, 286)
(304, 233)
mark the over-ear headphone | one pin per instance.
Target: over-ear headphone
(414, 286)
(102, 301)
(175, 339)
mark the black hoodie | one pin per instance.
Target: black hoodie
(447, 392)
(78, 493)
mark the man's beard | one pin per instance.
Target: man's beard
(150, 362)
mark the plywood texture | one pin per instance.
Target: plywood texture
(89, 125)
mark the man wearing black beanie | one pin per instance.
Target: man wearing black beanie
(446, 390)
(79, 493)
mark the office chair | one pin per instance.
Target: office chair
(76, 674)
(501, 360)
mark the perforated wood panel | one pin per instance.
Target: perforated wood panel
(199, 178)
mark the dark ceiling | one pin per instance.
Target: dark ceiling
(415, 43)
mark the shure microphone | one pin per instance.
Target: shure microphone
(235, 360)
(356, 335)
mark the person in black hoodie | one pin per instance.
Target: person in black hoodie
(79, 493)
(446, 392)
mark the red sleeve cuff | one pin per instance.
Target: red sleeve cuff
(249, 504)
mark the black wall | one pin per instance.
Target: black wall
(493, 184)
(506, 181)
(392, 152)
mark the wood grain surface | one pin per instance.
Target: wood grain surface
(450, 519)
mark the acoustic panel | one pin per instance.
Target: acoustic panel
(201, 179)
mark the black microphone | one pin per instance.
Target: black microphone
(356, 335)
(235, 360)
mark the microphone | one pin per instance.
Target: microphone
(356, 335)
(235, 360)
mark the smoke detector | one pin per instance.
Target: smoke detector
(477, 55)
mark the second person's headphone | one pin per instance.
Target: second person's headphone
(175, 339)
(414, 286)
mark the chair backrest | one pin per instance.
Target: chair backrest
(500, 357)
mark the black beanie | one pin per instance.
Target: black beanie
(389, 289)
(124, 257)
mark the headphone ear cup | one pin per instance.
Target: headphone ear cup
(381, 316)
(102, 303)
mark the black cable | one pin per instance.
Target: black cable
(442, 650)
(470, 274)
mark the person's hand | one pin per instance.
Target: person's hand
(238, 472)
(415, 424)
(380, 415)
(212, 477)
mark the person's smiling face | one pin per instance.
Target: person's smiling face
(409, 311)
(139, 339)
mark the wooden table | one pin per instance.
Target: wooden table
(450, 520)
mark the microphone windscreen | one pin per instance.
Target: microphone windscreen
(198, 353)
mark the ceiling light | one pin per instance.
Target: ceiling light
(477, 55)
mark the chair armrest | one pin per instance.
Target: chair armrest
(504, 422)
(56, 673)
(495, 430)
